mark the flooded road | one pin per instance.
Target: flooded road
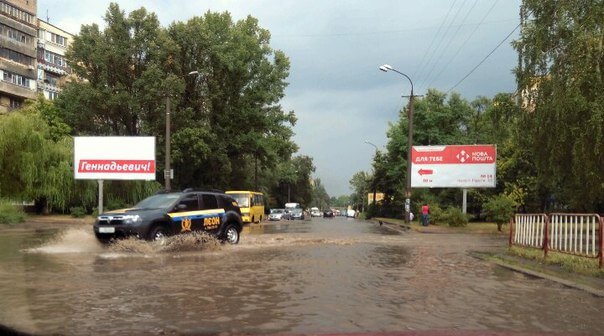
(320, 276)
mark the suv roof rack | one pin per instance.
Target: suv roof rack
(203, 189)
(164, 191)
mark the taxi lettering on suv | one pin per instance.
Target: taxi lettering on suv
(169, 213)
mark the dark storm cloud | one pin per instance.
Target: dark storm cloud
(335, 48)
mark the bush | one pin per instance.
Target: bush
(115, 203)
(499, 209)
(372, 211)
(77, 212)
(10, 214)
(455, 217)
(437, 215)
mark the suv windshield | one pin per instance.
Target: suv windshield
(160, 201)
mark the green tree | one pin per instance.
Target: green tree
(340, 201)
(445, 120)
(41, 169)
(235, 100)
(124, 72)
(360, 184)
(293, 181)
(561, 76)
(223, 80)
(320, 198)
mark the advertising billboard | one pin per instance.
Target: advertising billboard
(379, 197)
(114, 158)
(453, 166)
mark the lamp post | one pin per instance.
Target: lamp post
(374, 186)
(168, 172)
(387, 68)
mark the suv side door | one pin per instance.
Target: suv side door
(185, 216)
(212, 214)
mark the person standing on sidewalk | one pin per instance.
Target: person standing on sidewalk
(425, 214)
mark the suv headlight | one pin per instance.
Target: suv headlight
(132, 219)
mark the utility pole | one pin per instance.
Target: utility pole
(387, 68)
(167, 171)
(409, 150)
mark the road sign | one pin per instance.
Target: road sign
(456, 166)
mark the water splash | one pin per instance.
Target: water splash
(194, 241)
(82, 240)
(191, 242)
(72, 240)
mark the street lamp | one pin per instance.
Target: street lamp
(168, 172)
(374, 186)
(387, 68)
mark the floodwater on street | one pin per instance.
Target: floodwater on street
(320, 276)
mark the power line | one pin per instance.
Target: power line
(464, 43)
(383, 32)
(425, 78)
(484, 59)
(421, 64)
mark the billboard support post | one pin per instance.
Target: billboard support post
(464, 203)
(100, 210)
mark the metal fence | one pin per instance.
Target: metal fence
(576, 234)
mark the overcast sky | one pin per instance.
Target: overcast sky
(335, 47)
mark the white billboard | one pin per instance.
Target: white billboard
(114, 158)
(454, 166)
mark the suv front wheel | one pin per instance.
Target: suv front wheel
(158, 233)
(231, 234)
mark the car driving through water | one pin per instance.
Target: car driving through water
(166, 214)
(276, 214)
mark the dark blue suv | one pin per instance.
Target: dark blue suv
(166, 214)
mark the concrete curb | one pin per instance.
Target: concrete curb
(565, 282)
(392, 226)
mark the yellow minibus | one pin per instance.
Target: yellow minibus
(251, 204)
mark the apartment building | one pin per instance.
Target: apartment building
(18, 32)
(52, 69)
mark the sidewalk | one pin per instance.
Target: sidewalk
(535, 268)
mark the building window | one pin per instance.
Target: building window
(52, 79)
(16, 79)
(52, 95)
(15, 35)
(15, 103)
(54, 59)
(16, 13)
(58, 39)
(16, 57)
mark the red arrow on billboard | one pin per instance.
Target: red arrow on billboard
(426, 171)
